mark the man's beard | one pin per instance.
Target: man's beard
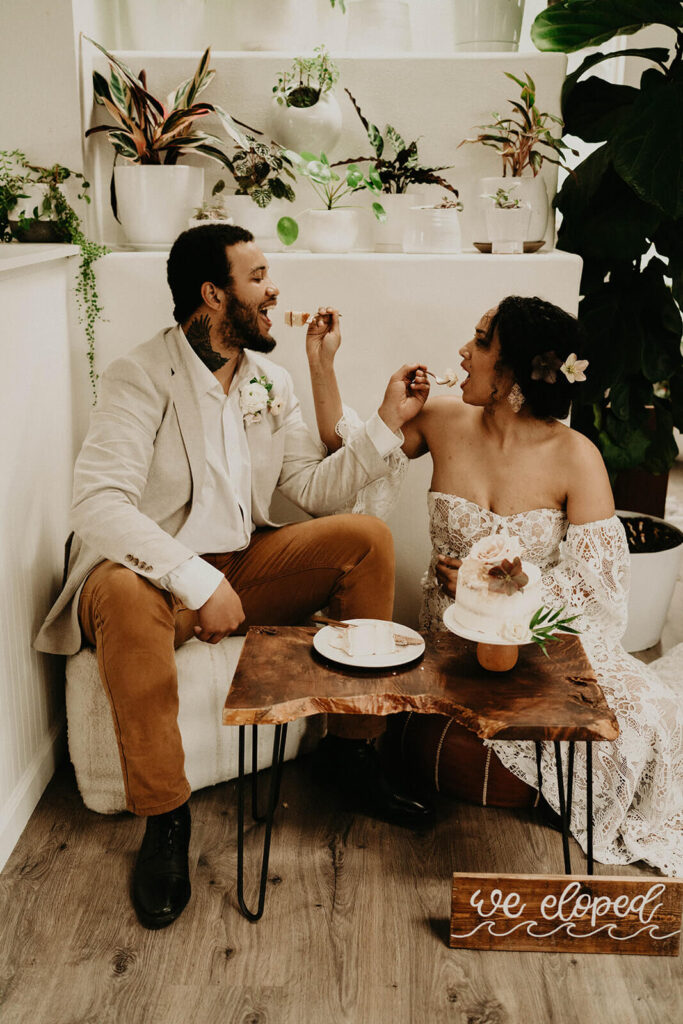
(240, 327)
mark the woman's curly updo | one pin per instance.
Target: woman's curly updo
(529, 328)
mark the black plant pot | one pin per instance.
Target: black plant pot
(35, 230)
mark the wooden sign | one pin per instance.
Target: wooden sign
(567, 913)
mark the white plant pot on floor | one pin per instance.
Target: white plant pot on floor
(261, 221)
(378, 26)
(331, 230)
(313, 129)
(155, 202)
(653, 578)
(487, 25)
(530, 191)
(165, 25)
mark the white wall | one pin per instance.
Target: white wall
(35, 491)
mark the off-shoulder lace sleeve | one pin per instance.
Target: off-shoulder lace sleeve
(379, 497)
(592, 577)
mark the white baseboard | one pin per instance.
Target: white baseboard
(15, 814)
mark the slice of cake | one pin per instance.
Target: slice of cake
(293, 319)
(367, 638)
(497, 592)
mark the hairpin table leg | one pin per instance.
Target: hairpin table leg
(279, 740)
(589, 807)
(563, 809)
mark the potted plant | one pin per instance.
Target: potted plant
(397, 164)
(262, 193)
(334, 228)
(507, 220)
(34, 208)
(524, 141)
(305, 114)
(285, 25)
(488, 24)
(622, 212)
(152, 192)
(212, 211)
(433, 228)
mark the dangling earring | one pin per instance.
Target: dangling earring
(515, 397)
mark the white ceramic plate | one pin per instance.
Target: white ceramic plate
(451, 622)
(402, 655)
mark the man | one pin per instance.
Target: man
(193, 433)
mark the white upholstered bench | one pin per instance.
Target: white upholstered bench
(205, 672)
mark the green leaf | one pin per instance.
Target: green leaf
(647, 146)
(354, 176)
(379, 212)
(287, 230)
(376, 140)
(592, 109)
(572, 24)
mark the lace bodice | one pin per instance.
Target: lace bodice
(585, 568)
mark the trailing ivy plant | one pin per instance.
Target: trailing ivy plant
(622, 212)
(401, 169)
(17, 176)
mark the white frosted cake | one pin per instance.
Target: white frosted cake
(497, 592)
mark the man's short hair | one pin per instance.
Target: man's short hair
(197, 256)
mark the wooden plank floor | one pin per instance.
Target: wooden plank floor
(355, 928)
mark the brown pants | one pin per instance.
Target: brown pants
(345, 562)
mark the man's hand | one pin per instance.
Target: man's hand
(220, 616)
(323, 336)
(447, 574)
(405, 396)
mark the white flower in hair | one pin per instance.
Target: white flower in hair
(573, 368)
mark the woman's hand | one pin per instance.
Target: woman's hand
(323, 336)
(447, 574)
(406, 393)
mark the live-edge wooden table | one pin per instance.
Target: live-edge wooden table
(280, 677)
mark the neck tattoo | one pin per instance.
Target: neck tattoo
(199, 336)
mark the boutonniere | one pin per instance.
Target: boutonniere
(257, 396)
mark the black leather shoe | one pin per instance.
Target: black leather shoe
(354, 768)
(161, 881)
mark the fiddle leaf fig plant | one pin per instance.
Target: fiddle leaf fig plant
(622, 212)
(401, 169)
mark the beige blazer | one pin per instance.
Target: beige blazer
(142, 463)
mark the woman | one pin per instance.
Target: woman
(502, 459)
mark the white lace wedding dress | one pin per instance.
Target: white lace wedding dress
(638, 778)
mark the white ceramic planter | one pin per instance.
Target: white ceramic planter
(487, 25)
(165, 24)
(507, 230)
(653, 578)
(530, 191)
(312, 129)
(378, 26)
(155, 202)
(331, 230)
(389, 235)
(428, 230)
(274, 25)
(261, 221)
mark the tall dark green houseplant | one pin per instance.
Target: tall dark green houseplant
(622, 212)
